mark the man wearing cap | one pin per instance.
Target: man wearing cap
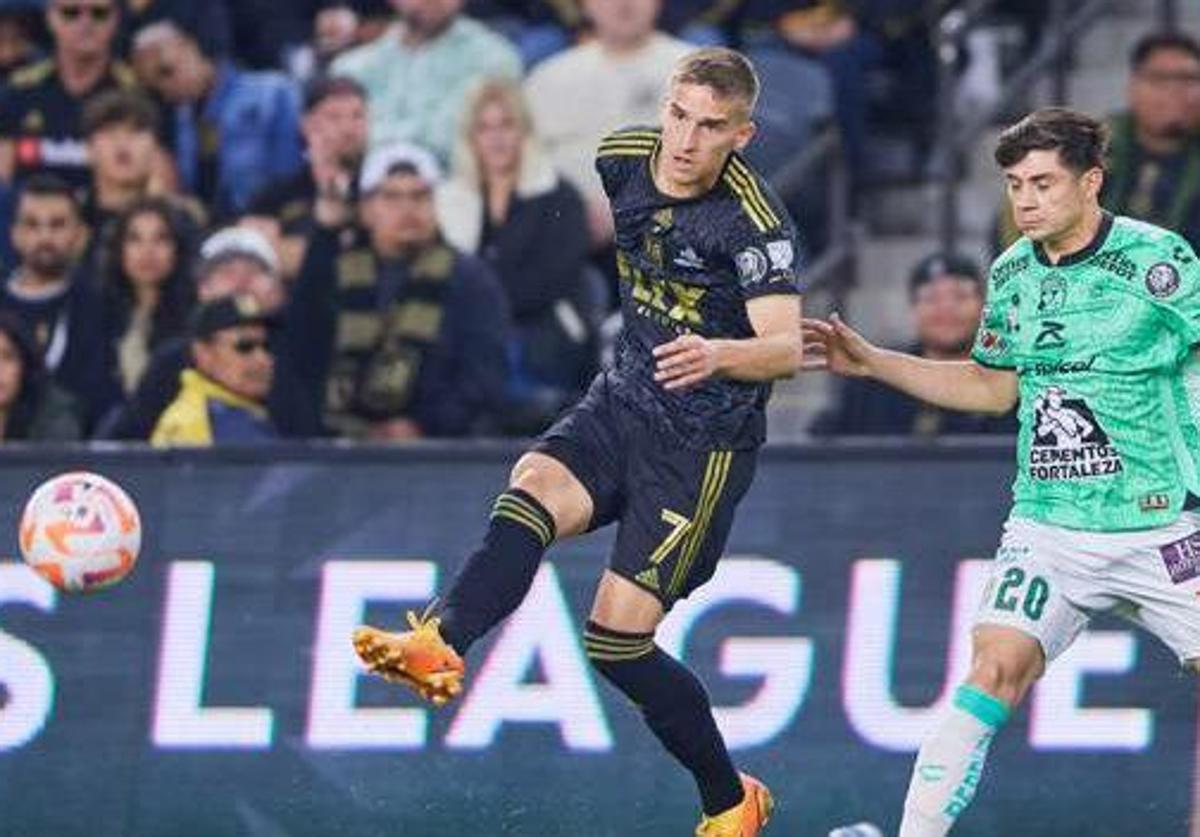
(222, 397)
(399, 335)
(946, 297)
(234, 261)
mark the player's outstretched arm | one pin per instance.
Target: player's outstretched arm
(774, 352)
(951, 384)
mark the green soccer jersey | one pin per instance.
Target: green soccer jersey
(1099, 343)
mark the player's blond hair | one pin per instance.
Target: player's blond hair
(725, 71)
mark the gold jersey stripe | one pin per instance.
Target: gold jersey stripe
(739, 166)
(715, 475)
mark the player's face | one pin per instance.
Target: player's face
(1049, 200)
(400, 214)
(947, 311)
(337, 128)
(122, 154)
(238, 359)
(46, 234)
(496, 139)
(83, 26)
(11, 371)
(1164, 94)
(699, 131)
(148, 250)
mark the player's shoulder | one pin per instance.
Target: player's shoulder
(634, 141)
(1016, 259)
(1146, 240)
(1158, 262)
(33, 75)
(756, 205)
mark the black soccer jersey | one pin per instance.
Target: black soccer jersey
(689, 266)
(45, 122)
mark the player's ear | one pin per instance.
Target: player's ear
(744, 134)
(1093, 180)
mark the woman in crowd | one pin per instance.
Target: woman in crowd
(32, 408)
(148, 285)
(504, 202)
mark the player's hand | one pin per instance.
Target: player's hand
(835, 347)
(685, 361)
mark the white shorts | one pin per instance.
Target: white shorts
(1048, 582)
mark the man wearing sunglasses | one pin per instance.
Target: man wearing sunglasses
(222, 397)
(41, 112)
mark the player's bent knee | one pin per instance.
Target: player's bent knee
(554, 486)
(1005, 665)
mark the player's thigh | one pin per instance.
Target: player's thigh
(676, 519)
(1036, 589)
(621, 605)
(1161, 583)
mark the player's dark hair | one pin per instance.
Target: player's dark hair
(725, 71)
(120, 107)
(329, 87)
(49, 186)
(1147, 45)
(1081, 140)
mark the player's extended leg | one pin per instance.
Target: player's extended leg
(1005, 664)
(544, 501)
(620, 645)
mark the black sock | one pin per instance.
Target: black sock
(497, 576)
(675, 706)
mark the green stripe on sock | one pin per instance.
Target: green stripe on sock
(982, 706)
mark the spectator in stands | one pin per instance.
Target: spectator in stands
(506, 204)
(234, 130)
(56, 298)
(1154, 160)
(20, 31)
(335, 30)
(41, 111)
(946, 293)
(122, 138)
(418, 73)
(223, 394)
(401, 336)
(32, 407)
(147, 284)
(335, 131)
(208, 21)
(234, 261)
(538, 28)
(613, 81)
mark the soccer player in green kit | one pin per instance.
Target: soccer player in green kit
(1089, 322)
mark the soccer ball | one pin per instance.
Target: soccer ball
(80, 532)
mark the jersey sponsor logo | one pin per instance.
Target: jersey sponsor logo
(1154, 502)
(751, 265)
(1182, 558)
(1068, 443)
(1117, 264)
(1162, 280)
(38, 151)
(781, 254)
(1063, 367)
(1051, 335)
(1005, 272)
(1053, 294)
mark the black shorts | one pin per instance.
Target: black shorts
(674, 507)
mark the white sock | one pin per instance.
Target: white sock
(950, 763)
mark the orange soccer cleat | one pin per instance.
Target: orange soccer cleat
(418, 658)
(746, 819)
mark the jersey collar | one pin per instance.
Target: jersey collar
(1094, 246)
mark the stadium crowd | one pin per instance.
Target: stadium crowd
(379, 219)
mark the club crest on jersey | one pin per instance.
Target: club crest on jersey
(1162, 280)
(1053, 295)
(751, 265)
(991, 342)
(1069, 445)
(781, 254)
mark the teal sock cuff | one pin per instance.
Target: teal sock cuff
(981, 706)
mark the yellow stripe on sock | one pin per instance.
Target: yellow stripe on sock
(524, 516)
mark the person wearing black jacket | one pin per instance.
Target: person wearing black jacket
(399, 336)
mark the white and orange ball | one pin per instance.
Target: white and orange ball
(81, 532)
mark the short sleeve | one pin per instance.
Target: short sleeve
(995, 341)
(1172, 283)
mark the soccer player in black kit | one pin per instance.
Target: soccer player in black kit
(664, 444)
